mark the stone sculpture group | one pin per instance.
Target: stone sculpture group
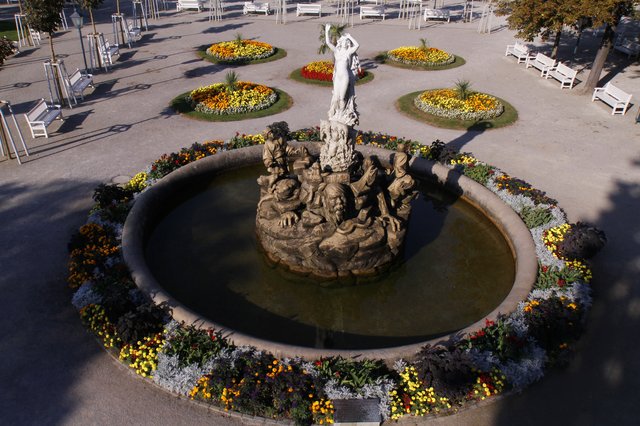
(341, 214)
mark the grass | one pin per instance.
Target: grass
(181, 106)
(405, 105)
(202, 54)
(383, 59)
(297, 76)
(8, 30)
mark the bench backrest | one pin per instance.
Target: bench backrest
(565, 70)
(541, 57)
(37, 110)
(75, 77)
(617, 93)
(194, 3)
(520, 47)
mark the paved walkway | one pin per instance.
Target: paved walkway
(53, 372)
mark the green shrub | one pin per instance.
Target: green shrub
(554, 277)
(479, 172)
(196, 346)
(535, 216)
(6, 49)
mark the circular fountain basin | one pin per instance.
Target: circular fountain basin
(190, 242)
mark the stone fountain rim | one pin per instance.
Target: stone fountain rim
(504, 218)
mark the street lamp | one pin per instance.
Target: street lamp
(78, 20)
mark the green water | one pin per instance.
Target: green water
(457, 268)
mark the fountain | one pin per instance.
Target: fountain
(333, 262)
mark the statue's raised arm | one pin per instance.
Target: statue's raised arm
(327, 37)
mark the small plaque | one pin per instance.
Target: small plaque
(356, 411)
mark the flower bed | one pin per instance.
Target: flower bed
(240, 50)
(322, 70)
(219, 99)
(422, 56)
(447, 103)
(505, 355)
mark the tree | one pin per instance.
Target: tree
(44, 16)
(89, 5)
(607, 13)
(545, 18)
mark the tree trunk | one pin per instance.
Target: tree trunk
(599, 61)
(95, 31)
(118, 7)
(57, 83)
(53, 53)
(556, 44)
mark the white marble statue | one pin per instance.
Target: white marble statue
(345, 69)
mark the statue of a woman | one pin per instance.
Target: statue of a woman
(343, 107)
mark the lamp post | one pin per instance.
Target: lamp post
(78, 20)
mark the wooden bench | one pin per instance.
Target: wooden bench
(372, 12)
(78, 82)
(618, 99)
(189, 4)
(541, 62)
(629, 47)
(255, 7)
(40, 116)
(565, 75)
(313, 8)
(437, 14)
(518, 50)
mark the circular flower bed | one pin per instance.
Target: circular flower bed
(505, 355)
(222, 99)
(449, 104)
(240, 50)
(322, 70)
(422, 56)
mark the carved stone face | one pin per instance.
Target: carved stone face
(334, 201)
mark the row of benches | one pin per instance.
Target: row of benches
(618, 99)
(377, 11)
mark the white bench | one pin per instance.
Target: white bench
(132, 33)
(313, 8)
(629, 47)
(189, 4)
(518, 50)
(78, 82)
(255, 7)
(541, 62)
(565, 75)
(614, 97)
(372, 12)
(108, 52)
(437, 14)
(40, 116)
